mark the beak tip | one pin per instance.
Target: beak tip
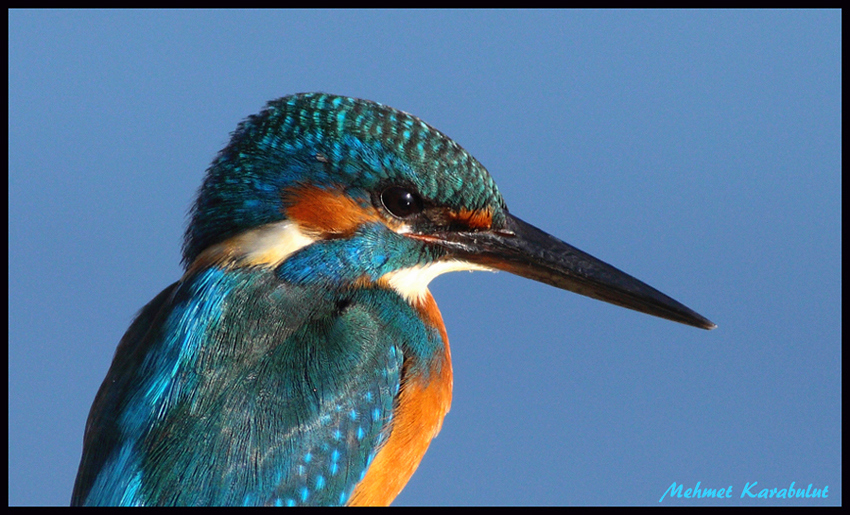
(694, 319)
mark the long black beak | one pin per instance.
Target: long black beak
(525, 250)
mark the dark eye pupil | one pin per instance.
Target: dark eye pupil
(401, 202)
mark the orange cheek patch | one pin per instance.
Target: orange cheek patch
(329, 213)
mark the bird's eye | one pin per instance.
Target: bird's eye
(401, 202)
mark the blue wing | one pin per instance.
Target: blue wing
(234, 388)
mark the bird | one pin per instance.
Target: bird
(301, 358)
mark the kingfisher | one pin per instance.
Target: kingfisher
(301, 359)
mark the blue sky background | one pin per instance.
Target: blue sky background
(698, 151)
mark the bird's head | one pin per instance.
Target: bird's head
(339, 190)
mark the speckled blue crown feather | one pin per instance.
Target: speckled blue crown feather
(332, 141)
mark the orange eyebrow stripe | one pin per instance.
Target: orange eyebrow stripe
(326, 212)
(480, 219)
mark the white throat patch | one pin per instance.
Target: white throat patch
(412, 283)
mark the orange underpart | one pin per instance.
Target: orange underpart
(328, 213)
(422, 404)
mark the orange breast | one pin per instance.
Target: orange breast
(423, 402)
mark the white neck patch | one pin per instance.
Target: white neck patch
(269, 245)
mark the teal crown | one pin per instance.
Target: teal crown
(323, 140)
